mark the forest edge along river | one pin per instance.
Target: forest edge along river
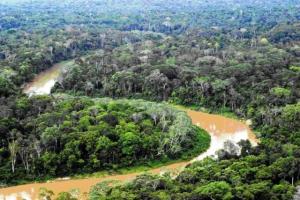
(221, 129)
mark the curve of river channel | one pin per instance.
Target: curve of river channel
(220, 128)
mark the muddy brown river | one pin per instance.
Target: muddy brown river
(44, 81)
(220, 128)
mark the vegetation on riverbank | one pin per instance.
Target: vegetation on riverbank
(219, 54)
(69, 135)
(262, 172)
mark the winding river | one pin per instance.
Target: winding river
(220, 128)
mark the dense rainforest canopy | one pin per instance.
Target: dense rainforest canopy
(224, 55)
(67, 135)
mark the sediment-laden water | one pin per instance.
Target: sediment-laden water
(220, 128)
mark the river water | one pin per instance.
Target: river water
(220, 128)
(45, 80)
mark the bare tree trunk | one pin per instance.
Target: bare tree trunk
(13, 148)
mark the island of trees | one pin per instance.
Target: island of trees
(48, 137)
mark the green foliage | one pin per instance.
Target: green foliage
(73, 135)
(46, 194)
(214, 190)
(280, 92)
(223, 55)
(65, 196)
(171, 61)
(295, 68)
(264, 41)
(291, 112)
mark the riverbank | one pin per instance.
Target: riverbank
(222, 112)
(109, 121)
(219, 128)
(139, 167)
